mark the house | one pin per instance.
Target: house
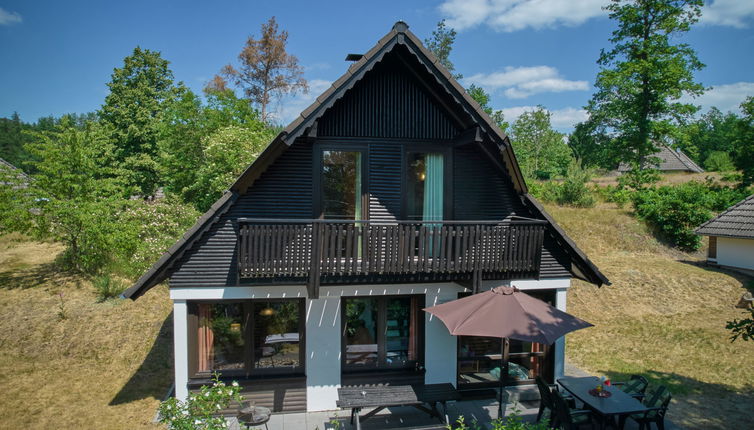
(392, 192)
(670, 161)
(731, 237)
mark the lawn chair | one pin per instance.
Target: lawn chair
(546, 401)
(658, 405)
(567, 418)
(636, 386)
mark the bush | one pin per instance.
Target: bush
(107, 287)
(719, 161)
(544, 191)
(677, 210)
(201, 410)
(573, 191)
(618, 195)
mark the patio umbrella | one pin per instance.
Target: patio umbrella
(507, 313)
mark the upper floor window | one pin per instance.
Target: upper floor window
(342, 185)
(425, 186)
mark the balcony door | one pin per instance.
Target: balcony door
(425, 185)
(342, 175)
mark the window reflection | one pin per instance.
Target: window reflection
(276, 334)
(341, 184)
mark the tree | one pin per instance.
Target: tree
(265, 69)
(441, 44)
(743, 156)
(483, 98)
(540, 150)
(713, 132)
(644, 75)
(592, 147)
(139, 92)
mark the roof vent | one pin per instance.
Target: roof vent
(354, 57)
(400, 26)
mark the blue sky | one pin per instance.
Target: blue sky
(56, 57)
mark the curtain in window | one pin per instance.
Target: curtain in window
(357, 189)
(206, 338)
(433, 187)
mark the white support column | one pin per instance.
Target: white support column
(180, 344)
(560, 303)
(440, 357)
(322, 353)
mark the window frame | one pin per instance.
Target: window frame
(249, 371)
(424, 148)
(318, 194)
(381, 365)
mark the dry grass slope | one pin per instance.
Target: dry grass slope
(664, 316)
(104, 365)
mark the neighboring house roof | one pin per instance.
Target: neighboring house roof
(737, 221)
(20, 180)
(582, 268)
(671, 161)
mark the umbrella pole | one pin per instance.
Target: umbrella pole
(505, 355)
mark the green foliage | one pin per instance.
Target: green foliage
(744, 146)
(483, 98)
(592, 146)
(132, 113)
(226, 153)
(513, 421)
(541, 151)
(711, 133)
(675, 211)
(574, 191)
(615, 194)
(637, 179)
(201, 410)
(644, 75)
(743, 328)
(441, 43)
(191, 165)
(107, 287)
(718, 161)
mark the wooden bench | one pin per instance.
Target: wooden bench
(424, 397)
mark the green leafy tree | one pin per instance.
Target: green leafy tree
(441, 44)
(139, 93)
(713, 132)
(74, 194)
(643, 76)
(266, 70)
(540, 150)
(483, 98)
(591, 146)
(743, 156)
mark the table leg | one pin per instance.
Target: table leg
(445, 413)
(358, 422)
(622, 422)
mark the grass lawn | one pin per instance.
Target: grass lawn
(663, 317)
(87, 365)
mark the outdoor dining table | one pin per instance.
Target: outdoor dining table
(619, 404)
(383, 396)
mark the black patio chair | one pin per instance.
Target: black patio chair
(657, 403)
(636, 386)
(567, 418)
(546, 402)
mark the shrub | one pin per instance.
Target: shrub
(201, 410)
(544, 191)
(107, 287)
(574, 191)
(618, 195)
(677, 210)
(719, 161)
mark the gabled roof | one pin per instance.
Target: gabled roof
(670, 161)
(303, 124)
(737, 221)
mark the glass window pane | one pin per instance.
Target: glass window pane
(361, 332)
(276, 334)
(425, 187)
(478, 358)
(341, 184)
(400, 331)
(220, 337)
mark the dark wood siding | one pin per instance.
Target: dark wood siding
(712, 251)
(390, 103)
(385, 177)
(284, 190)
(481, 191)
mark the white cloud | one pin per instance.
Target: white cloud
(732, 13)
(290, 107)
(561, 119)
(521, 82)
(513, 15)
(725, 97)
(8, 18)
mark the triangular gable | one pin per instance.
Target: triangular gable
(306, 122)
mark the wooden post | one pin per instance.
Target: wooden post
(316, 261)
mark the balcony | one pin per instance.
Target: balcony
(324, 249)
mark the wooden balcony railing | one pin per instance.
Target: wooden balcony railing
(315, 248)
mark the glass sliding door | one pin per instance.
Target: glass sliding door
(342, 181)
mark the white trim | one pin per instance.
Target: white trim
(235, 293)
(561, 296)
(180, 344)
(529, 284)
